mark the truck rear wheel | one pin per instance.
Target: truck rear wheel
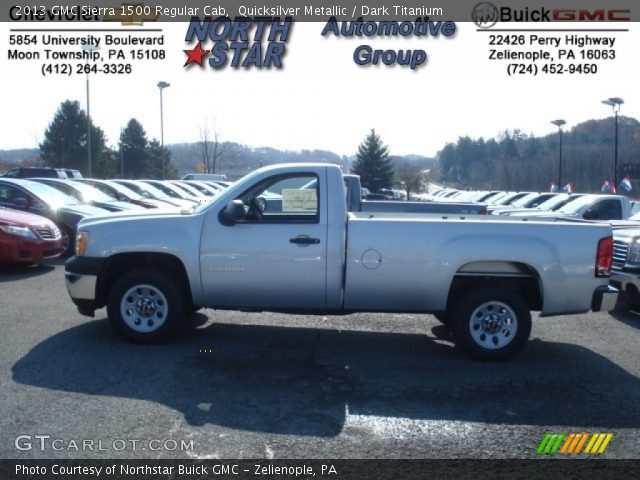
(145, 306)
(491, 323)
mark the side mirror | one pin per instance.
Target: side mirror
(232, 213)
(590, 215)
(20, 202)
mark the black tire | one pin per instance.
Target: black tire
(443, 318)
(171, 300)
(482, 339)
(70, 240)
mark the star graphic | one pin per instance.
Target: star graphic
(195, 55)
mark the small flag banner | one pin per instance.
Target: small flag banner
(574, 443)
(625, 184)
(608, 187)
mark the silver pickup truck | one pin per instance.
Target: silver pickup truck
(267, 244)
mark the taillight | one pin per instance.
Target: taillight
(604, 257)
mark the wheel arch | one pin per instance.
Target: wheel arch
(117, 265)
(516, 276)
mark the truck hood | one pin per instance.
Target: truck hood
(137, 215)
(626, 233)
(625, 224)
(83, 210)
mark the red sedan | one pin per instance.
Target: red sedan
(27, 238)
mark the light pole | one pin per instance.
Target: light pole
(121, 156)
(559, 123)
(162, 86)
(615, 102)
(88, 48)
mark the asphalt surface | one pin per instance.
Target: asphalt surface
(262, 385)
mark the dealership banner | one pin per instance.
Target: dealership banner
(314, 11)
(306, 469)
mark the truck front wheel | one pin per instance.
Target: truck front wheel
(491, 323)
(145, 306)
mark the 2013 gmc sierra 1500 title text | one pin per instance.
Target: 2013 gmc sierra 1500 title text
(282, 239)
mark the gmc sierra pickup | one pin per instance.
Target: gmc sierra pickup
(266, 244)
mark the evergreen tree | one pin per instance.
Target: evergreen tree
(373, 163)
(158, 156)
(65, 140)
(133, 144)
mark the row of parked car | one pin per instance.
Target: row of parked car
(546, 205)
(39, 209)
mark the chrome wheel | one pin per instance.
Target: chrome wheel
(144, 308)
(493, 325)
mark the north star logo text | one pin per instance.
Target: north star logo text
(239, 43)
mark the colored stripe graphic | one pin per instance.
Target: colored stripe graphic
(550, 443)
(573, 443)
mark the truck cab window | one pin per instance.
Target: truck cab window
(291, 198)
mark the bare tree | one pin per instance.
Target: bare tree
(412, 178)
(211, 151)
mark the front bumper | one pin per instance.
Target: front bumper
(81, 278)
(627, 282)
(29, 251)
(604, 299)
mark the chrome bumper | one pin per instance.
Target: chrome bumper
(626, 281)
(81, 287)
(604, 299)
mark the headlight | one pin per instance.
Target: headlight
(82, 240)
(634, 252)
(19, 231)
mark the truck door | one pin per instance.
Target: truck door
(274, 257)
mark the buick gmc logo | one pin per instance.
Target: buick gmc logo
(486, 15)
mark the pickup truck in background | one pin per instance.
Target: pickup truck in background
(481, 276)
(625, 274)
(587, 207)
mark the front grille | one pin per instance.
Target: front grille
(47, 233)
(620, 252)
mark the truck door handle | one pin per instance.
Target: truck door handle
(304, 240)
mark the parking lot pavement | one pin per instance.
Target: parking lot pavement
(282, 386)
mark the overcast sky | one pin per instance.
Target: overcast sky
(321, 99)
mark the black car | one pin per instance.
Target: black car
(34, 197)
(32, 172)
(73, 174)
(88, 194)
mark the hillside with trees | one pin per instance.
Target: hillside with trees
(516, 161)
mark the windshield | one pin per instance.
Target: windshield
(123, 190)
(92, 194)
(50, 195)
(494, 198)
(575, 205)
(525, 200)
(148, 191)
(555, 201)
(192, 191)
(169, 190)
